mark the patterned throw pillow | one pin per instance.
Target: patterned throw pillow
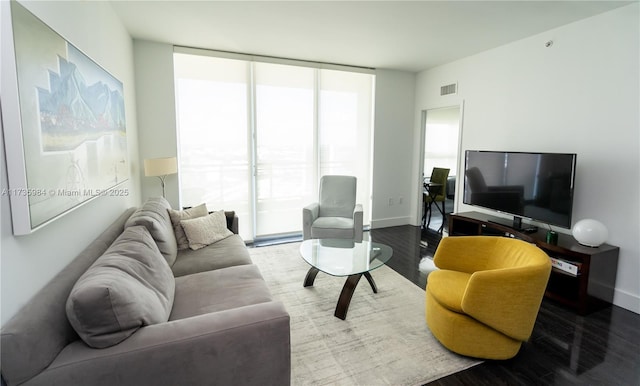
(203, 231)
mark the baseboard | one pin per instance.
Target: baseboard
(390, 222)
(627, 301)
(621, 298)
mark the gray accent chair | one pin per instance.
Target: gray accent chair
(336, 215)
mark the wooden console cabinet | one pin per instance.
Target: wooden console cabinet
(570, 290)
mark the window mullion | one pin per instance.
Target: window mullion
(316, 128)
(253, 157)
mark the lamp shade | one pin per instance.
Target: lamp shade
(155, 167)
(591, 233)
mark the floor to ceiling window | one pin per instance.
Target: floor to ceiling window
(255, 136)
(284, 125)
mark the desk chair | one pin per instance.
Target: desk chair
(435, 191)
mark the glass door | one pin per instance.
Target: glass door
(345, 135)
(285, 120)
(213, 145)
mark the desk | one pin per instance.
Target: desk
(431, 190)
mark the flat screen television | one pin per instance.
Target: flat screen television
(535, 186)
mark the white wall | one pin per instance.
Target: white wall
(393, 130)
(156, 112)
(579, 95)
(393, 173)
(29, 262)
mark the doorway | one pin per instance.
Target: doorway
(442, 133)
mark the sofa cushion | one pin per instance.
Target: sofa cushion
(203, 231)
(228, 252)
(179, 215)
(33, 338)
(154, 215)
(225, 289)
(129, 286)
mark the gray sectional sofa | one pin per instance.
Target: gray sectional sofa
(134, 309)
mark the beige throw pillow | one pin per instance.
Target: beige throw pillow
(179, 215)
(203, 231)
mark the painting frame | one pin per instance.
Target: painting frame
(63, 121)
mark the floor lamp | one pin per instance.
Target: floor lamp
(161, 168)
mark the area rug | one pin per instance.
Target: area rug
(383, 341)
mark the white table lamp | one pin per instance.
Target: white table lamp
(590, 233)
(161, 168)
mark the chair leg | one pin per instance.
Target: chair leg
(444, 215)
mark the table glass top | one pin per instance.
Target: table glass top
(340, 257)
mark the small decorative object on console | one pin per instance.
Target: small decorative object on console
(591, 233)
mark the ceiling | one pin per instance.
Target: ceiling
(400, 35)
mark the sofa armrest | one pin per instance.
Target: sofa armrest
(232, 221)
(244, 346)
(357, 223)
(309, 215)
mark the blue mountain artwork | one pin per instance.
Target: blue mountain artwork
(72, 112)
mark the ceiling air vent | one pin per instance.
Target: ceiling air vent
(449, 89)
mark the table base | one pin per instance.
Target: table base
(347, 290)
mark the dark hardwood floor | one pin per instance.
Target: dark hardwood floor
(602, 348)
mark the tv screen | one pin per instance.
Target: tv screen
(537, 186)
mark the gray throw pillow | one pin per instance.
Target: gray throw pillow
(179, 215)
(128, 287)
(203, 231)
(154, 216)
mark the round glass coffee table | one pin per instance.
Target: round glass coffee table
(342, 257)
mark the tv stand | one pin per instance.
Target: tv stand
(569, 289)
(516, 225)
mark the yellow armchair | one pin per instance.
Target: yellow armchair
(484, 299)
